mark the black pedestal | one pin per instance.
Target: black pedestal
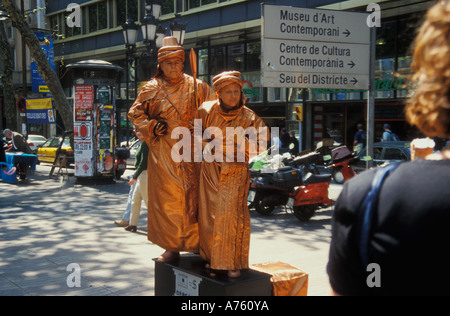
(187, 276)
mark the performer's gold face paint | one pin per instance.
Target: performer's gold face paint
(230, 96)
(172, 69)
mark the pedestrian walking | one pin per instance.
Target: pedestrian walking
(125, 220)
(360, 138)
(137, 193)
(401, 246)
(140, 181)
(388, 135)
(224, 220)
(284, 138)
(166, 102)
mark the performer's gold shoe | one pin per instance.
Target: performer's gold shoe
(168, 256)
(234, 274)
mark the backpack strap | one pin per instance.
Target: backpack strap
(368, 211)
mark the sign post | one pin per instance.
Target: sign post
(370, 131)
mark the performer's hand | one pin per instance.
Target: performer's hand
(160, 128)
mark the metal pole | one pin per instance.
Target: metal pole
(371, 99)
(128, 95)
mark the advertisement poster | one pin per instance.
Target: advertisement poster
(83, 149)
(105, 133)
(83, 102)
(38, 84)
(40, 111)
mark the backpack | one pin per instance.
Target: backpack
(393, 137)
(368, 211)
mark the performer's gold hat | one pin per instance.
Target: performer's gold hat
(226, 78)
(170, 49)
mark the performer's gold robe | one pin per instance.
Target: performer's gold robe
(172, 186)
(224, 220)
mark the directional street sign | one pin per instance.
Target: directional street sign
(312, 48)
(322, 57)
(315, 25)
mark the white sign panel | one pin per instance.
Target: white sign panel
(315, 25)
(321, 57)
(311, 48)
(186, 284)
(286, 79)
(83, 149)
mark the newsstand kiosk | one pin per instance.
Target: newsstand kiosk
(94, 107)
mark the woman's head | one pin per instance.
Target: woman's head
(228, 86)
(138, 133)
(429, 107)
(171, 58)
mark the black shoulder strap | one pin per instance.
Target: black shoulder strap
(368, 211)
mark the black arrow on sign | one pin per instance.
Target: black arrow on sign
(347, 33)
(351, 64)
(354, 81)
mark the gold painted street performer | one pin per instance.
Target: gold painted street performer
(224, 220)
(166, 102)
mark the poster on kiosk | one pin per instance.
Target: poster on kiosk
(94, 132)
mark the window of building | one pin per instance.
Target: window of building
(98, 16)
(203, 61)
(54, 25)
(192, 4)
(127, 9)
(168, 7)
(236, 57)
(252, 87)
(218, 60)
(253, 56)
(70, 31)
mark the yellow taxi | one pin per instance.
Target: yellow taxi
(47, 151)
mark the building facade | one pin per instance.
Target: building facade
(226, 35)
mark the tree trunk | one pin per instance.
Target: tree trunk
(7, 81)
(45, 70)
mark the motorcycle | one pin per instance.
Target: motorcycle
(308, 190)
(120, 163)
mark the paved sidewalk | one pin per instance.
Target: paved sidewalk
(46, 225)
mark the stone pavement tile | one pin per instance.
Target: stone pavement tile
(8, 288)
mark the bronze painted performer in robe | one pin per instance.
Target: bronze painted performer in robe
(224, 220)
(166, 102)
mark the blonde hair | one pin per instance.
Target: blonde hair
(429, 107)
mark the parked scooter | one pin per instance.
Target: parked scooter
(340, 164)
(309, 191)
(120, 163)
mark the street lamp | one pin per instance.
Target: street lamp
(148, 28)
(130, 32)
(178, 30)
(160, 34)
(3, 14)
(152, 32)
(154, 6)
